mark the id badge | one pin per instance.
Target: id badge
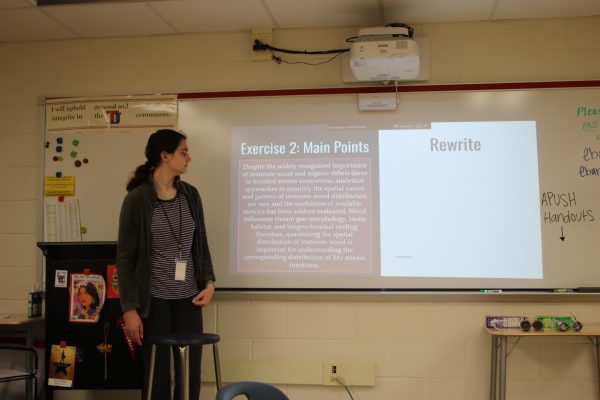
(180, 269)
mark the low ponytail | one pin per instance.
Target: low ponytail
(162, 140)
(141, 174)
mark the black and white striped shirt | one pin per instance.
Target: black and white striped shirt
(172, 223)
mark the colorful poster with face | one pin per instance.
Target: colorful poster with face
(87, 294)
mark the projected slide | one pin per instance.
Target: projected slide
(461, 200)
(304, 200)
(457, 199)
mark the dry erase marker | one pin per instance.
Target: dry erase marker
(490, 291)
(563, 290)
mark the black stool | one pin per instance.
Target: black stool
(183, 341)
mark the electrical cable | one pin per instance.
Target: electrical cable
(343, 383)
(260, 46)
(280, 60)
(409, 28)
(409, 32)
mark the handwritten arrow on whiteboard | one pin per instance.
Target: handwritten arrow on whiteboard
(562, 236)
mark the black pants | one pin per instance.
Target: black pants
(171, 316)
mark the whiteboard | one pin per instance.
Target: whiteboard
(566, 165)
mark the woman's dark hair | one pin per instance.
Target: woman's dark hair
(92, 291)
(162, 140)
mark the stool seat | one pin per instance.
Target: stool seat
(184, 339)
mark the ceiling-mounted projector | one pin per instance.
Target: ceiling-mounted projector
(384, 54)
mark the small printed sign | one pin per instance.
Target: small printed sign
(59, 186)
(60, 278)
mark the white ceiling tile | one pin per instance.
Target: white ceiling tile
(22, 20)
(435, 11)
(30, 24)
(214, 15)
(325, 13)
(110, 19)
(535, 9)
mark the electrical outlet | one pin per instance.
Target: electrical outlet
(332, 371)
(265, 35)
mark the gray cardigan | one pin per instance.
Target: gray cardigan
(133, 247)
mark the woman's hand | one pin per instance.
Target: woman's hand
(134, 326)
(204, 297)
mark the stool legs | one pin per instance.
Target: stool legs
(184, 367)
(151, 373)
(217, 366)
(184, 376)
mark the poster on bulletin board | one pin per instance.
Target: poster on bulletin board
(87, 295)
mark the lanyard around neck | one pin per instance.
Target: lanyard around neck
(177, 239)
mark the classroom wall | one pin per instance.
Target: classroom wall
(423, 347)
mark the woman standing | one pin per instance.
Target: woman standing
(165, 270)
